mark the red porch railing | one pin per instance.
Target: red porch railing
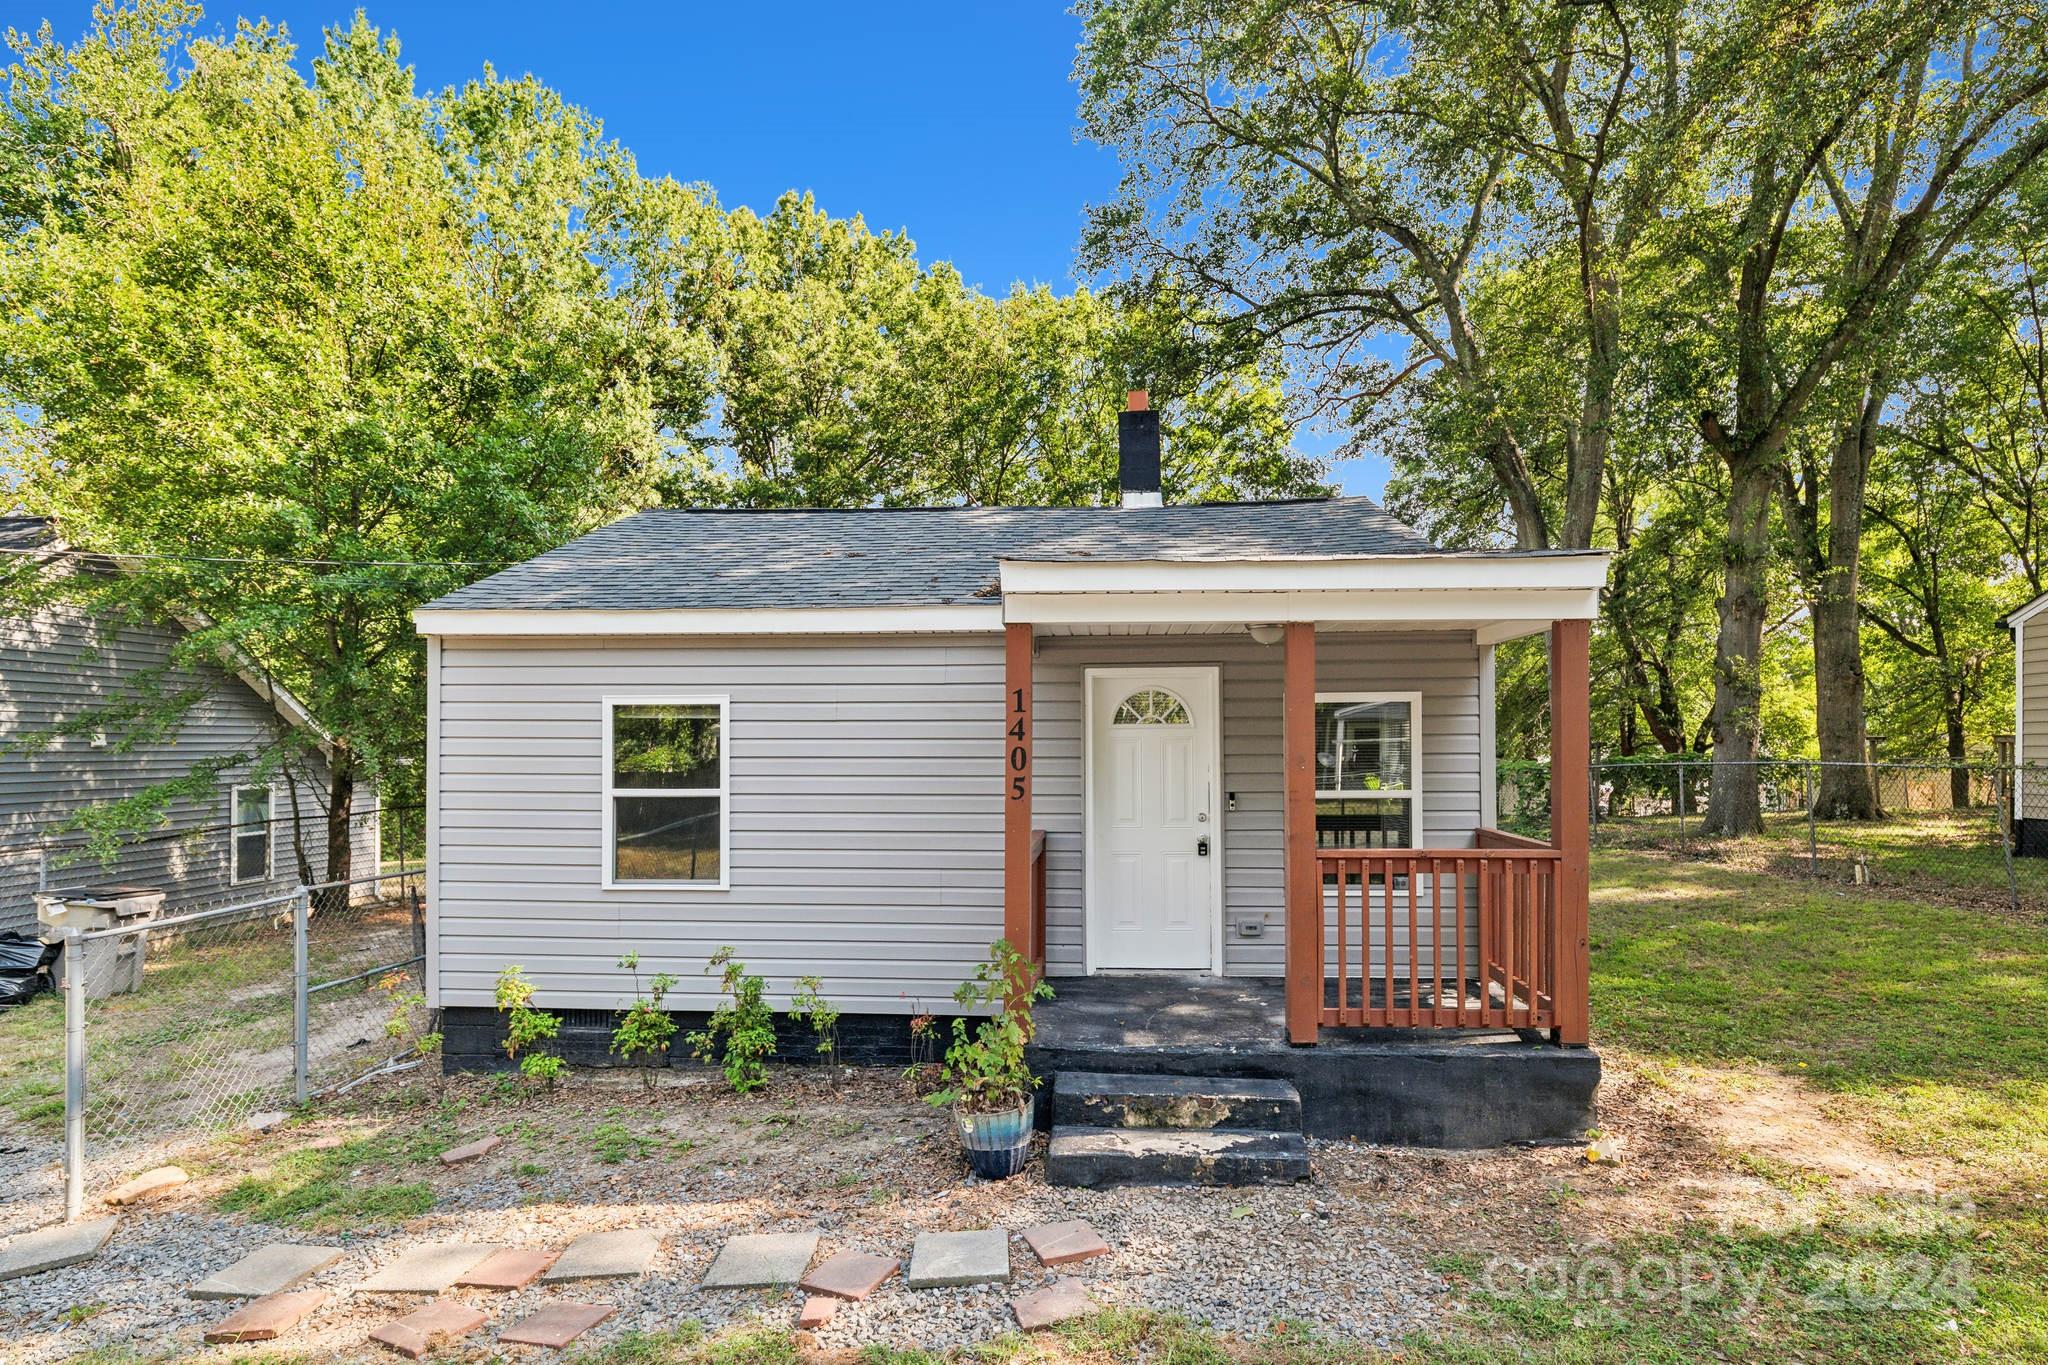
(1441, 938)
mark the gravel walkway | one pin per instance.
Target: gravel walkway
(867, 1167)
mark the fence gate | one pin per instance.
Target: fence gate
(360, 950)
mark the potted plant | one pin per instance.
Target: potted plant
(984, 1077)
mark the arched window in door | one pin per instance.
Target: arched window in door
(1151, 706)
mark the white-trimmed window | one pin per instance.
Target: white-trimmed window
(665, 783)
(249, 828)
(1368, 769)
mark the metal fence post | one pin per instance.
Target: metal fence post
(301, 906)
(1681, 804)
(1812, 834)
(74, 1074)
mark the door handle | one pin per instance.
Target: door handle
(1202, 848)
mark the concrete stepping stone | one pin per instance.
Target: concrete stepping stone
(470, 1151)
(941, 1259)
(773, 1260)
(148, 1183)
(1065, 1243)
(605, 1255)
(1058, 1302)
(428, 1269)
(817, 1311)
(556, 1325)
(849, 1275)
(266, 1318)
(510, 1268)
(54, 1247)
(266, 1270)
(421, 1330)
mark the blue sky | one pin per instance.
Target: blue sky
(952, 121)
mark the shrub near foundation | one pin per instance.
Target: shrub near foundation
(740, 1035)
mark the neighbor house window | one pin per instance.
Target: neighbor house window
(249, 836)
(1368, 773)
(665, 791)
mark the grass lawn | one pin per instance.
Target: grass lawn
(1913, 1028)
(1956, 855)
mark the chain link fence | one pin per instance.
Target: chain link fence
(166, 1032)
(201, 866)
(1966, 833)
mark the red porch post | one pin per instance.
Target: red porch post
(1570, 758)
(1302, 886)
(1017, 880)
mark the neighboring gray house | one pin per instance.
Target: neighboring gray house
(239, 842)
(2029, 627)
(1242, 741)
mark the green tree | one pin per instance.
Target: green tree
(309, 351)
(1333, 175)
(1949, 93)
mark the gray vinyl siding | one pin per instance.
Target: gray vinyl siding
(865, 807)
(2033, 701)
(56, 665)
(1442, 666)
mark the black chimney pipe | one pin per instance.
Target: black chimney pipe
(1137, 451)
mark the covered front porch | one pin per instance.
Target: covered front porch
(1350, 915)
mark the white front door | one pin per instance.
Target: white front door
(1154, 840)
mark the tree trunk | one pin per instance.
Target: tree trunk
(1838, 682)
(341, 797)
(1958, 754)
(1586, 467)
(1732, 804)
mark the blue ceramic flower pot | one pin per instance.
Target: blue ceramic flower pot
(998, 1145)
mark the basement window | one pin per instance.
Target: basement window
(665, 780)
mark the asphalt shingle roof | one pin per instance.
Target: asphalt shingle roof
(871, 557)
(25, 533)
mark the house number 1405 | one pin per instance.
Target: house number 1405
(1020, 756)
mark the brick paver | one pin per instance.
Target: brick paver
(849, 1275)
(421, 1330)
(266, 1318)
(1065, 1243)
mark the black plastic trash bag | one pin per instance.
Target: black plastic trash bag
(24, 967)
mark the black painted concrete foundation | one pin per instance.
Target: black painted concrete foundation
(472, 1039)
(1423, 1088)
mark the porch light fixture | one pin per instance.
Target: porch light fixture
(1267, 634)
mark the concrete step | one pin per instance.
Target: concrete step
(1098, 1158)
(1101, 1099)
